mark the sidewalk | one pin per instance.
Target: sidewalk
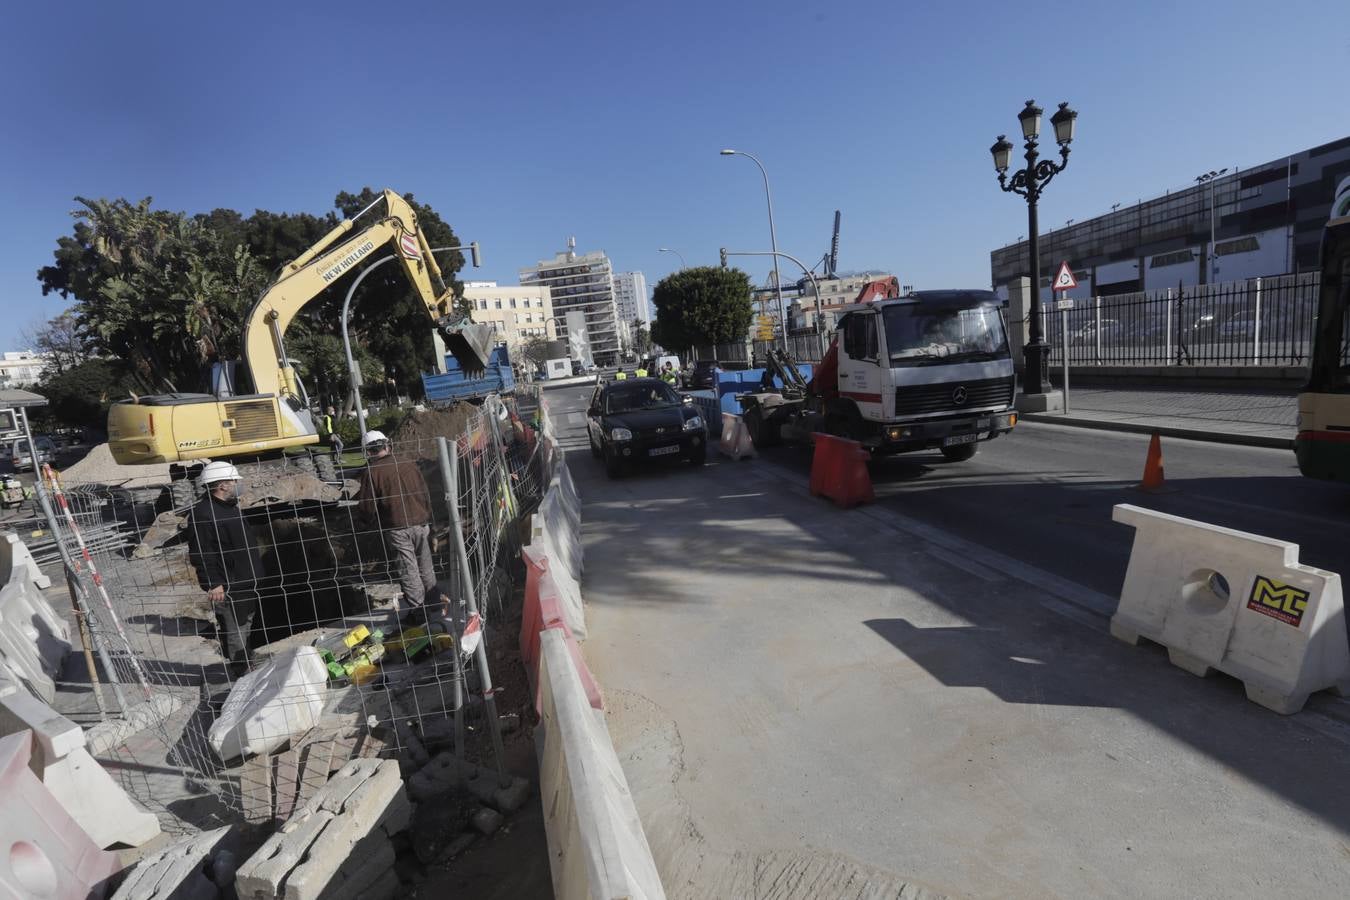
(1254, 418)
(815, 703)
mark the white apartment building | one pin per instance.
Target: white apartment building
(22, 367)
(518, 311)
(585, 283)
(630, 298)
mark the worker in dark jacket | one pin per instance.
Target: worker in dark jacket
(394, 496)
(228, 566)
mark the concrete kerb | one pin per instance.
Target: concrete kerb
(186, 869)
(1236, 438)
(596, 842)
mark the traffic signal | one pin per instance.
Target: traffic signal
(477, 258)
(724, 257)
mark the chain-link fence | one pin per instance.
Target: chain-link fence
(384, 577)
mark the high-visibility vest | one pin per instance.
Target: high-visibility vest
(620, 375)
(668, 376)
(641, 373)
(328, 423)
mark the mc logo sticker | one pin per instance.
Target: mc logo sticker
(1278, 600)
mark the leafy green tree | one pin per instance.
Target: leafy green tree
(701, 305)
(79, 396)
(642, 339)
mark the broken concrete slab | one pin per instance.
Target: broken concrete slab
(364, 801)
(184, 870)
(137, 717)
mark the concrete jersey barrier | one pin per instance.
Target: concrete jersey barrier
(1278, 626)
(597, 848)
(34, 639)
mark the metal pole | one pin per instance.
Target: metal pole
(683, 265)
(1211, 230)
(1099, 335)
(809, 274)
(1035, 351)
(1064, 336)
(450, 472)
(1256, 337)
(1168, 358)
(773, 244)
(353, 373)
(50, 515)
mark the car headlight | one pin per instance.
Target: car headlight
(620, 434)
(693, 424)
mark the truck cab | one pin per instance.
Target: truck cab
(929, 370)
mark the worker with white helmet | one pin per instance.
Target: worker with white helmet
(229, 569)
(393, 497)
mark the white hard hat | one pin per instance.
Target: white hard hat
(373, 437)
(219, 470)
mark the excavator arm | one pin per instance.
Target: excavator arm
(327, 262)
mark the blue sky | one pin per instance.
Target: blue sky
(525, 123)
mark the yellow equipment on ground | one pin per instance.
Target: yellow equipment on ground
(267, 409)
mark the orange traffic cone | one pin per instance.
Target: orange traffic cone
(1153, 467)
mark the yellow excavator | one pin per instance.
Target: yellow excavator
(261, 409)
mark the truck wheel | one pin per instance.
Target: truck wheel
(961, 452)
(762, 434)
(837, 425)
(182, 493)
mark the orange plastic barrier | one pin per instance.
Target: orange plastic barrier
(542, 609)
(839, 471)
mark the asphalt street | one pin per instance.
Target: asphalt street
(1043, 494)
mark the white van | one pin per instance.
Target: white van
(22, 458)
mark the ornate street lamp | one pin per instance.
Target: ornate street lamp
(1028, 183)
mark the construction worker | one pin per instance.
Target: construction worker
(226, 561)
(669, 375)
(394, 497)
(334, 439)
(641, 372)
(620, 375)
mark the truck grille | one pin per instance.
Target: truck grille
(953, 396)
(254, 420)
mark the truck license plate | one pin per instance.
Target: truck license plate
(663, 451)
(961, 439)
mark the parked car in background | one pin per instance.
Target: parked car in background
(1110, 330)
(23, 459)
(702, 376)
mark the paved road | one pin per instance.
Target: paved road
(813, 703)
(1044, 494)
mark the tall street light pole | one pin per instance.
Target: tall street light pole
(1028, 183)
(1211, 176)
(683, 264)
(773, 239)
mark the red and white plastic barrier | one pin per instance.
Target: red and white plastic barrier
(839, 471)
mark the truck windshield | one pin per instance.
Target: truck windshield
(919, 334)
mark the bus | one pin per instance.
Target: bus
(1322, 444)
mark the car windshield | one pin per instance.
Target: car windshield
(629, 398)
(917, 333)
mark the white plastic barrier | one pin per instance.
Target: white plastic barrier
(46, 853)
(87, 793)
(34, 639)
(567, 588)
(735, 440)
(1278, 626)
(597, 848)
(555, 535)
(271, 704)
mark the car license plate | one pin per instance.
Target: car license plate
(961, 439)
(663, 451)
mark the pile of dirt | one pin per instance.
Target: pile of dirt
(422, 427)
(99, 467)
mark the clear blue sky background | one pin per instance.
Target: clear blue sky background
(523, 123)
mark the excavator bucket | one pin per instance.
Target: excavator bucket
(470, 344)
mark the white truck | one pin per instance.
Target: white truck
(930, 370)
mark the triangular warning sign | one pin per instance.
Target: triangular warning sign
(1064, 279)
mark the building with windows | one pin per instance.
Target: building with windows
(585, 283)
(630, 298)
(22, 367)
(519, 312)
(1242, 223)
(835, 293)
